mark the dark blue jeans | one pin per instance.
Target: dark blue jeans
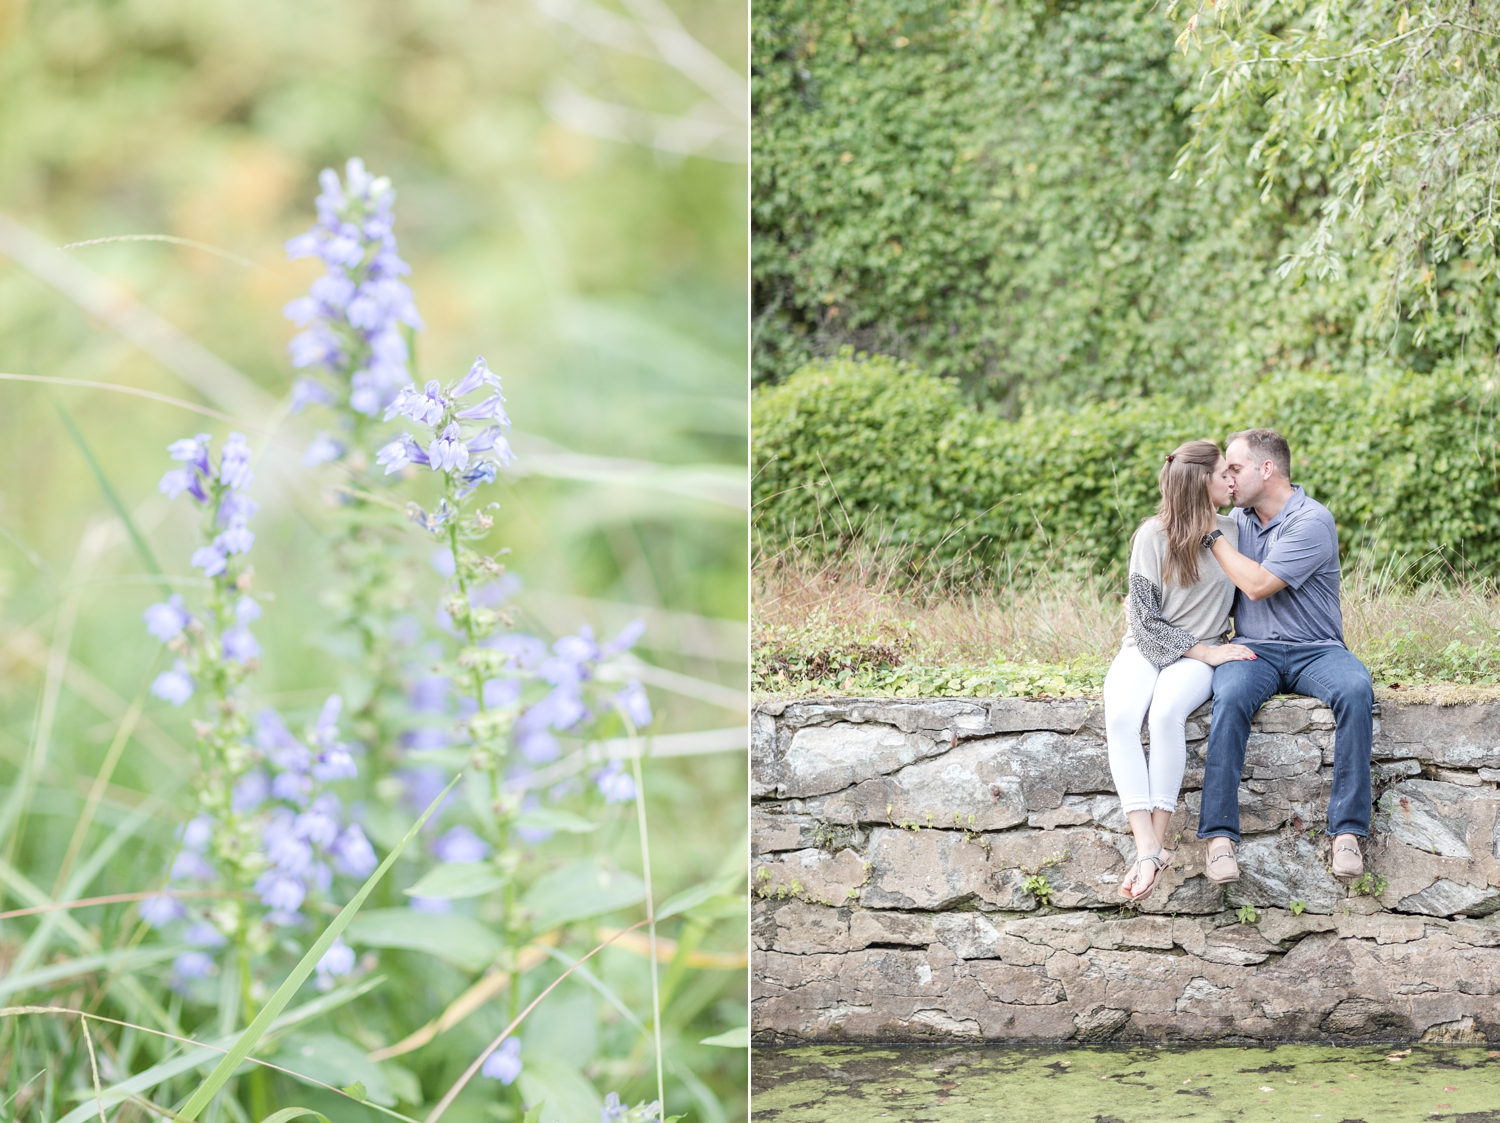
(1330, 673)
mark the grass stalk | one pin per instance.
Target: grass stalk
(640, 815)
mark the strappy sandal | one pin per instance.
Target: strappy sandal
(1223, 875)
(1161, 864)
(1347, 870)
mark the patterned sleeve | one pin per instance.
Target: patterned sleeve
(1158, 641)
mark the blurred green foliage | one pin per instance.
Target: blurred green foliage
(603, 281)
(857, 446)
(985, 188)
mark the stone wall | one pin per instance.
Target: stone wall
(949, 869)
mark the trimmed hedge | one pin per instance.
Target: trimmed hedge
(870, 447)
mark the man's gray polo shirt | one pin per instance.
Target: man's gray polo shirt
(1300, 546)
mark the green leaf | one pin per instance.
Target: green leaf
(548, 819)
(558, 1092)
(330, 1059)
(579, 890)
(698, 894)
(287, 1114)
(277, 1002)
(460, 940)
(737, 1038)
(458, 879)
(356, 1091)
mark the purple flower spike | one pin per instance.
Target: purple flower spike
(167, 619)
(198, 832)
(504, 1064)
(175, 686)
(212, 559)
(479, 375)
(491, 409)
(338, 959)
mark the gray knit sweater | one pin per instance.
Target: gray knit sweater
(1166, 620)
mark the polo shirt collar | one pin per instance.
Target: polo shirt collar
(1298, 498)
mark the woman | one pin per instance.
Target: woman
(1178, 610)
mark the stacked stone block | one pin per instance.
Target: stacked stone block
(950, 869)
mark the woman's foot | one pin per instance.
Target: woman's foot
(1222, 865)
(1147, 872)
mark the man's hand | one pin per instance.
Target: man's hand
(1251, 578)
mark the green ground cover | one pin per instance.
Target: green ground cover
(1083, 1084)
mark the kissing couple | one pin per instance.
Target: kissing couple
(1272, 565)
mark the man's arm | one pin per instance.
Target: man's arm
(1251, 578)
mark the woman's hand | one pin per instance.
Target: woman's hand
(1215, 656)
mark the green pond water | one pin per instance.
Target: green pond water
(1142, 1084)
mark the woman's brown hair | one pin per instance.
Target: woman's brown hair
(1186, 512)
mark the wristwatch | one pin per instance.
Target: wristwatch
(1210, 538)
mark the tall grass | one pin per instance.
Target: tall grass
(872, 618)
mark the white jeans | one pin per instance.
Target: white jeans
(1132, 689)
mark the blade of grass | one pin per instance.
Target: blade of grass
(277, 1002)
(452, 1093)
(204, 1051)
(101, 781)
(84, 965)
(88, 1039)
(137, 539)
(118, 898)
(640, 818)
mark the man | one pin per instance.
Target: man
(1286, 610)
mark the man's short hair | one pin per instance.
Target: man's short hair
(1267, 444)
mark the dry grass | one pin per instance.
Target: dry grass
(864, 607)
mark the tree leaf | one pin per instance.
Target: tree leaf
(736, 1038)
(460, 940)
(453, 880)
(550, 819)
(579, 890)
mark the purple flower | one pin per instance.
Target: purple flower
(251, 791)
(194, 450)
(197, 832)
(193, 965)
(211, 559)
(538, 745)
(323, 450)
(478, 473)
(306, 391)
(281, 891)
(429, 694)
(479, 375)
(160, 910)
(247, 610)
(352, 853)
(461, 844)
(489, 409)
(320, 822)
(634, 702)
(167, 619)
(501, 693)
(236, 540)
(426, 406)
(205, 935)
(325, 730)
(240, 646)
(292, 787)
(338, 959)
(189, 865)
(288, 853)
(627, 638)
(504, 1064)
(614, 783)
(399, 453)
(175, 686)
(434, 905)
(448, 452)
(234, 463)
(178, 480)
